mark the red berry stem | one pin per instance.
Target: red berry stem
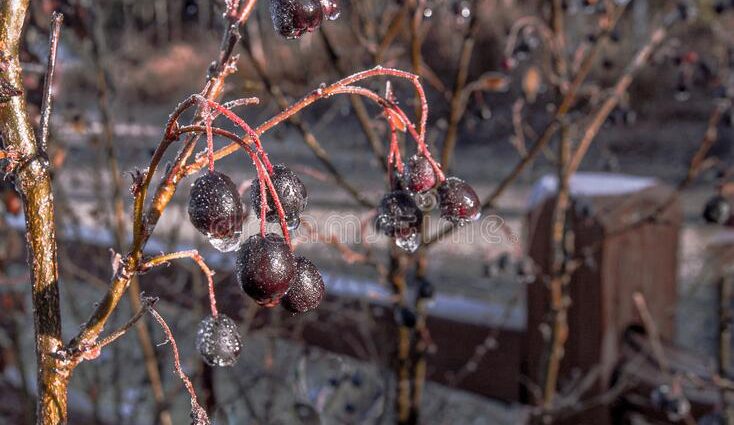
(326, 92)
(263, 176)
(418, 136)
(197, 411)
(209, 136)
(394, 155)
(199, 260)
(279, 209)
(243, 125)
(263, 197)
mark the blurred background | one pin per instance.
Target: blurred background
(621, 279)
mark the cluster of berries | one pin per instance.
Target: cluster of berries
(267, 268)
(415, 190)
(293, 18)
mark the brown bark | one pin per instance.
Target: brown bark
(34, 183)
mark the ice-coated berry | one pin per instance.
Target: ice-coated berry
(293, 18)
(419, 174)
(218, 341)
(400, 218)
(291, 192)
(215, 208)
(307, 288)
(458, 201)
(265, 268)
(717, 210)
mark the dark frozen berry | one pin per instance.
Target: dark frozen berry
(306, 290)
(215, 208)
(265, 268)
(357, 379)
(293, 18)
(218, 341)
(426, 289)
(291, 192)
(407, 318)
(504, 261)
(675, 406)
(717, 210)
(400, 218)
(459, 202)
(419, 174)
(526, 270)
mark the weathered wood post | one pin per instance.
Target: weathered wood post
(619, 254)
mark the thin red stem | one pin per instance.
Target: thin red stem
(419, 137)
(324, 93)
(199, 260)
(394, 156)
(196, 408)
(209, 137)
(262, 175)
(242, 124)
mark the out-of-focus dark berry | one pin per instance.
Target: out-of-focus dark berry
(406, 317)
(357, 379)
(458, 200)
(426, 289)
(291, 192)
(675, 406)
(265, 268)
(218, 341)
(306, 290)
(717, 210)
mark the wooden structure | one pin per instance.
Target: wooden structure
(620, 258)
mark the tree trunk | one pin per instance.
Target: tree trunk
(33, 181)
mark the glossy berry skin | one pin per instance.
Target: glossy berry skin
(717, 210)
(398, 215)
(265, 268)
(307, 288)
(218, 341)
(291, 192)
(419, 174)
(215, 208)
(293, 18)
(458, 201)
